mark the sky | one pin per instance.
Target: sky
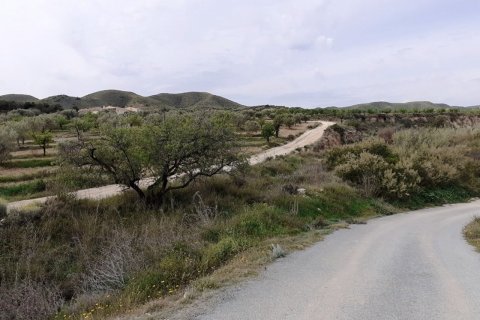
(306, 53)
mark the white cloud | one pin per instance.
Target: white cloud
(304, 52)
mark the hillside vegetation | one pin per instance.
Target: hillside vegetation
(414, 105)
(84, 259)
(118, 98)
(21, 98)
(199, 100)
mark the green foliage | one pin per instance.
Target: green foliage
(43, 139)
(417, 161)
(193, 145)
(334, 202)
(3, 208)
(175, 269)
(289, 121)
(6, 143)
(339, 129)
(341, 155)
(61, 121)
(30, 163)
(268, 131)
(217, 254)
(251, 126)
(261, 221)
(436, 197)
(25, 177)
(23, 189)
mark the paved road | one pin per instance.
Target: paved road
(401, 267)
(307, 138)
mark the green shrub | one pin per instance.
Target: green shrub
(435, 197)
(217, 254)
(26, 177)
(333, 203)
(340, 155)
(3, 208)
(261, 221)
(277, 167)
(23, 189)
(377, 177)
(177, 268)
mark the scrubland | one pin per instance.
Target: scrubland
(84, 259)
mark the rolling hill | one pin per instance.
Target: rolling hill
(21, 98)
(195, 100)
(414, 105)
(65, 101)
(117, 98)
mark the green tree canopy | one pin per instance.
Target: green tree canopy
(154, 159)
(268, 131)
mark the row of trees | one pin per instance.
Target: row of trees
(6, 106)
(271, 127)
(39, 129)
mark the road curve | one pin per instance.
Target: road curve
(401, 267)
(307, 138)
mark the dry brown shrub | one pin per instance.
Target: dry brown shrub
(114, 263)
(387, 134)
(29, 301)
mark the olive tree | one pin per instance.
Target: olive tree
(278, 121)
(20, 130)
(155, 159)
(6, 143)
(289, 121)
(43, 140)
(268, 131)
(252, 126)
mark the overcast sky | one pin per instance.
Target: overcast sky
(287, 52)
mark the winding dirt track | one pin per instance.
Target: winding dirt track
(307, 138)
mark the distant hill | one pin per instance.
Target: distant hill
(117, 98)
(414, 105)
(21, 98)
(65, 101)
(195, 100)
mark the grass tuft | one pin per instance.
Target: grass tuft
(472, 233)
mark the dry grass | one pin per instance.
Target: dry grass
(245, 265)
(295, 130)
(33, 153)
(121, 254)
(472, 233)
(18, 172)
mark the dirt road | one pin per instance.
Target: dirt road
(412, 266)
(307, 138)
